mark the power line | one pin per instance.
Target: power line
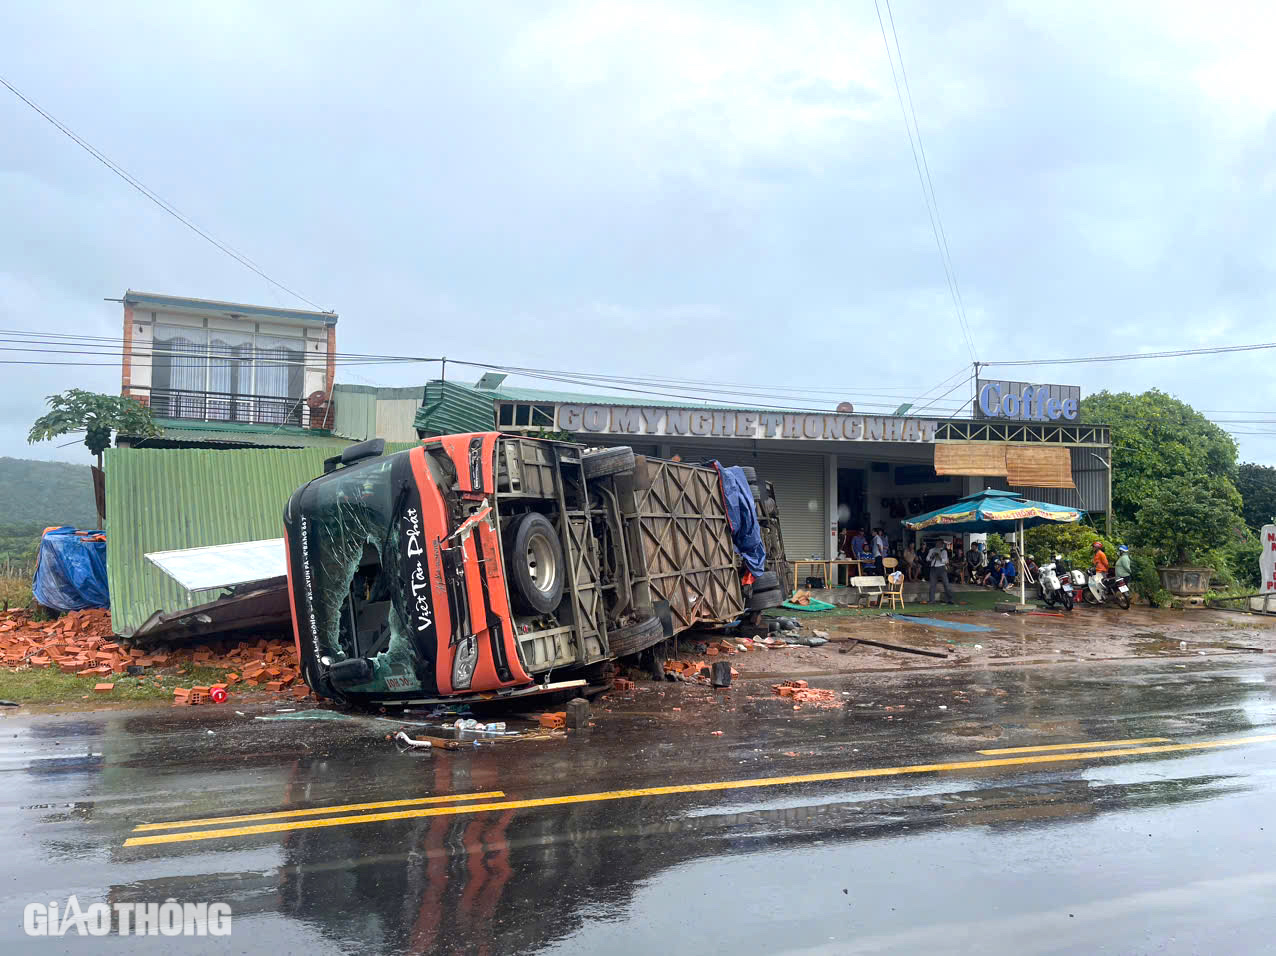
(922, 178)
(1133, 356)
(921, 148)
(964, 381)
(152, 196)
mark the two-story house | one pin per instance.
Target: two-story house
(227, 371)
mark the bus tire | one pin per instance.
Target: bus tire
(535, 563)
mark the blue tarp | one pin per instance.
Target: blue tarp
(70, 572)
(743, 515)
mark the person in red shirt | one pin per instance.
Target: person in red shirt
(1100, 560)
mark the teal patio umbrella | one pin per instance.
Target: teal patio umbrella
(995, 511)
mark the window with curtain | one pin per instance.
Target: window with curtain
(230, 375)
(217, 375)
(179, 365)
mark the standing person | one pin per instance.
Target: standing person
(1122, 569)
(937, 560)
(974, 561)
(881, 548)
(858, 544)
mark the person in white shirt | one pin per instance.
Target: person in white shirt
(881, 549)
(937, 562)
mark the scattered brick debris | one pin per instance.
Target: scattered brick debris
(103, 688)
(554, 721)
(83, 643)
(800, 693)
(693, 672)
(623, 685)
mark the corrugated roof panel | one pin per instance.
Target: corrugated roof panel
(450, 408)
(262, 438)
(168, 499)
(356, 412)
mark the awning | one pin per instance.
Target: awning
(1025, 466)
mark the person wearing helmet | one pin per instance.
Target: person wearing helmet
(1101, 566)
(1122, 569)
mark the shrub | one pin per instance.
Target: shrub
(1146, 582)
(1184, 519)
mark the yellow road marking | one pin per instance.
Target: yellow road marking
(681, 788)
(1088, 743)
(319, 811)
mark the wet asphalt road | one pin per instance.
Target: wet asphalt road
(1165, 850)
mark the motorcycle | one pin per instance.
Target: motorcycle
(1051, 587)
(1107, 590)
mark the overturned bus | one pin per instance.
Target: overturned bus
(487, 566)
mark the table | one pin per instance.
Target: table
(849, 564)
(821, 571)
(827, 568)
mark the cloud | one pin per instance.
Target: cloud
(711, 190)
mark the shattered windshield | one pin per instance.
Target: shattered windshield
(358, 588)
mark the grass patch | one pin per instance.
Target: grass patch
(48, 685)
(15, 591)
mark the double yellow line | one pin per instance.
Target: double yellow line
(456, 804)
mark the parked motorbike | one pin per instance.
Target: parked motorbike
(1107, 590)
(1051, 588)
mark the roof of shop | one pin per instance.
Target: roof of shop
(158, 300)
(175, 498)
(453, 408)
(181, 432)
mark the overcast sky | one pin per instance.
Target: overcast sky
(715, 191)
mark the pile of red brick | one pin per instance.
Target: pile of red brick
(696, 672)
(262, 663)
(76, 643)
(81, 643)
(800, 693)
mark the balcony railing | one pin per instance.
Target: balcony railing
(229, 407)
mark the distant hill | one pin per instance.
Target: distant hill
(37, 494)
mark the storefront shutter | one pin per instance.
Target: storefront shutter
(799, 494)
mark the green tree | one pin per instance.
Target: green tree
(97, 415)
(1155, 437)
(1257, 485)
(1186, 518)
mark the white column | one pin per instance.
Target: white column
(830, 503)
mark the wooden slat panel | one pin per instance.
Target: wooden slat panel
(981, 460)
(1038, 467)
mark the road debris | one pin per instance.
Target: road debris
(800, 693)
(697, 672)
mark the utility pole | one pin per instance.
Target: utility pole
(1108, 523)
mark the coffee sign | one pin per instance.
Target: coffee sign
(1023, 401)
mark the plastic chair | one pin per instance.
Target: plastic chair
(894, 587)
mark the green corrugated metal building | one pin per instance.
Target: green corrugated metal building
(173, 498)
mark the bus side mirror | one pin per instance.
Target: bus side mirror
(372, 448)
